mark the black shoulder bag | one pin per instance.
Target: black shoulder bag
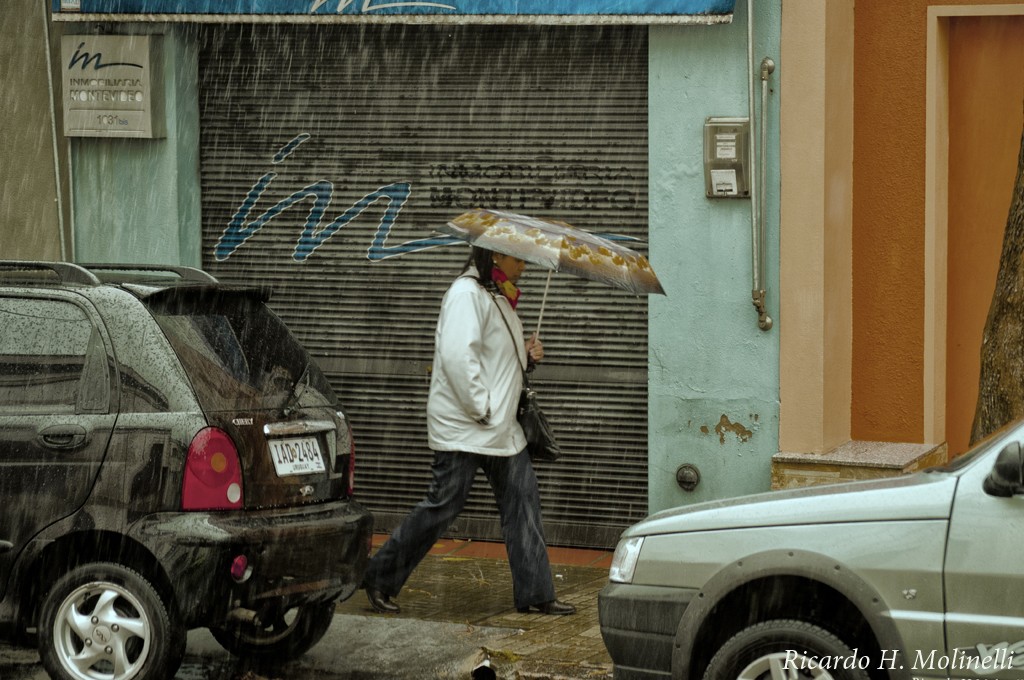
(540, 440)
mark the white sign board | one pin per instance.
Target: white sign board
(112, 86)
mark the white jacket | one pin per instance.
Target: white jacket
(477, 371)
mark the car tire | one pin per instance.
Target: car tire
(104, 621)
(287, 637)
(763, 651)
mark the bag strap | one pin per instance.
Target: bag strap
(515, 345)
(501, 313)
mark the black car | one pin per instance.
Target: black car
(170, 458)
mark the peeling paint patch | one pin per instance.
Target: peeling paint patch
(704, 429)
(725, 425)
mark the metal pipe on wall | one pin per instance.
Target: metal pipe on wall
(767, 68)
(757, 175)
(64, 254)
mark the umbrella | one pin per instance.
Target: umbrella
(557, 246)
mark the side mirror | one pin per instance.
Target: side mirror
(1007, 476)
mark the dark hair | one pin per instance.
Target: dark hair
(483, 260)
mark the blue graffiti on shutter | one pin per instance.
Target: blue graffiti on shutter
(313, 235)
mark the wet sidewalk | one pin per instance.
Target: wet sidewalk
(457, 614)
(469, 583)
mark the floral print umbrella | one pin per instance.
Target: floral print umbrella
(557, 246)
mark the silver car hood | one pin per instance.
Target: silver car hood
(914, 497)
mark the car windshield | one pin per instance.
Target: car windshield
(996, 439)
(237, 352)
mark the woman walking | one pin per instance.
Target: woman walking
(479, 356)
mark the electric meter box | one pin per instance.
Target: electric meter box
(727, 157)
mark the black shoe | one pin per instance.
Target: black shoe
(554, 607)
(381, 602)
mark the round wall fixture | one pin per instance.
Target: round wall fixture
(687, 477)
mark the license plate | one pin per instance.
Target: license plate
(296, 456)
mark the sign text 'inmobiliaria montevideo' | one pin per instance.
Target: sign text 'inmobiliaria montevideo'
(111, 86)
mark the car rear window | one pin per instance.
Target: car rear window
(238, 354)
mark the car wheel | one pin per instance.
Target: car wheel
(287, 636)
(103, 621)
(786, 650)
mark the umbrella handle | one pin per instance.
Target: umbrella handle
(543, 301)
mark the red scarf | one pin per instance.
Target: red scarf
(507, 288)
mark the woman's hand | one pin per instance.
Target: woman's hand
(534, 348)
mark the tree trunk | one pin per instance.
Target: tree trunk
(1001, 390)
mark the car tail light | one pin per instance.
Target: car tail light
(240, 569)
(213, 475)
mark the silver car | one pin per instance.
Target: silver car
(912, 577)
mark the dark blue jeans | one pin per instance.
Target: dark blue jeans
(515, 490)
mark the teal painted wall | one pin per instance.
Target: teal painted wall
(714, 375)
(138, 200)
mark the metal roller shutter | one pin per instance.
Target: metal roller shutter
(547, 121)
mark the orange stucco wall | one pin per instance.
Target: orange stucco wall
(888, 217)
(890, 51)
(986, 114)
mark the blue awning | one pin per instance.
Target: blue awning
(432, 11)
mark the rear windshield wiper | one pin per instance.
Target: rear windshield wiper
(301, 385)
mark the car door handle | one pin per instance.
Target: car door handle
(63, 437)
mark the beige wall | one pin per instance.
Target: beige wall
(32, 204)
(815, 270)
(874, 230)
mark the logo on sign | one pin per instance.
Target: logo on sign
(85, 59)
(314, 234)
